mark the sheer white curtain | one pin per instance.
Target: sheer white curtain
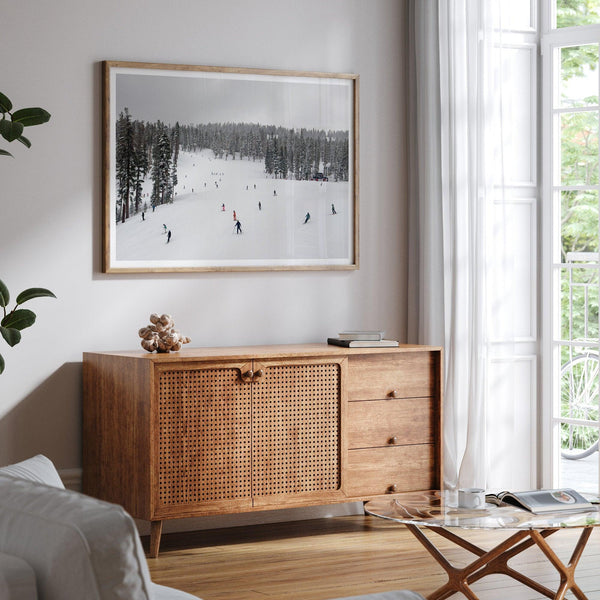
(456, 160)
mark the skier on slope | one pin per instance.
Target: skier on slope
(306, 218)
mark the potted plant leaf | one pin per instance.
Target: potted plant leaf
(12, 124)
(17, 319)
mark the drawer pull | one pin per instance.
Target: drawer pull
(393, 440)
(392, 489)
(249, 374)
(394, 394)
(259, 373)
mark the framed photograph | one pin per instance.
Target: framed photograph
(227, 169)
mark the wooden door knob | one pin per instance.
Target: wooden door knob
(249, 374)
(259, 373)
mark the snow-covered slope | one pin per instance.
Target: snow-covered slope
(271, 213)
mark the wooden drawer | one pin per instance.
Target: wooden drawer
(376, 471)
(403, 375)
(373, 423)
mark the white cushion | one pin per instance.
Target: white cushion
(17, 579)
(38, 468)
(79, 547)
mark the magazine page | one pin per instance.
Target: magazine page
(538, 501)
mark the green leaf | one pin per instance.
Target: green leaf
(5, 152)
(12, 336)
(10, 130)
(19, 319)
(5, 103)
(1, 364)
(30, 293)
(31, 116)
(4, 295)
(24, 141)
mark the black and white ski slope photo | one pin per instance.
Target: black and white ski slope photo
(228, 169)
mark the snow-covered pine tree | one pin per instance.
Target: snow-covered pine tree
(125, 167)
(276, 170)
(141, 163)
(282, 166)
(326, 156)
(290, 158)
(298, 145)
(269, 163)
(342, 159)
(175, 144)
(161, 162)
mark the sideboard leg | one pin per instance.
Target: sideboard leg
(155, 533)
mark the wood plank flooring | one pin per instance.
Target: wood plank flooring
(331, 558)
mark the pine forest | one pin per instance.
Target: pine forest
(149, 152)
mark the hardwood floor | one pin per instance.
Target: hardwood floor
(344, 556)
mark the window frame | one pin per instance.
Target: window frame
(552, 38)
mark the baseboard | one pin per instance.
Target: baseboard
(71, 478)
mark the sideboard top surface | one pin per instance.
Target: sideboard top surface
(250, 352)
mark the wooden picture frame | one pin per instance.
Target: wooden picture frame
(228, 169)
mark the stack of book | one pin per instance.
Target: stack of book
(362, 339)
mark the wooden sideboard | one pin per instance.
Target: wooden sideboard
(223, 430)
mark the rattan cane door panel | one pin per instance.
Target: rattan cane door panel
(296, 432)
(204, 437)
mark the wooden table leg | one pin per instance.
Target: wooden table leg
(496, 561)
(458, 578)
(155, 534)
(566, 572)
(499, 565)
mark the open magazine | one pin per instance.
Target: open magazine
(542, 501)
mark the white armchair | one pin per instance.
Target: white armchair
(57, 543)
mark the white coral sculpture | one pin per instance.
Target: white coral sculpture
(161, 335)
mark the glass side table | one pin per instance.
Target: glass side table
(430, 510)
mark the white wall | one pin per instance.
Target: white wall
(51, 198)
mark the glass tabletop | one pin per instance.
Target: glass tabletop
(437, 509)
